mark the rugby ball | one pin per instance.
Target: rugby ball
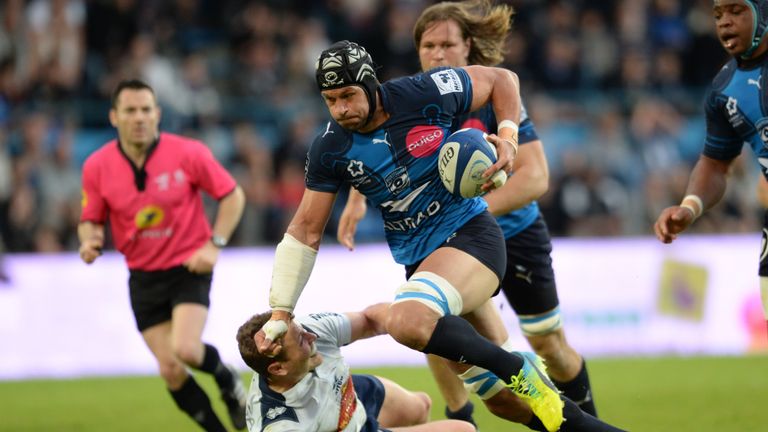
(463, 158)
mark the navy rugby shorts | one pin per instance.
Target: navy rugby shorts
(370, 391)
(529, 283)
(154, 294)
(480, 237)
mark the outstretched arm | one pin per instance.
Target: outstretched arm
(294, 260)
(369, 322)
(706, 187)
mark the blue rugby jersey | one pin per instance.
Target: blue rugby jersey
(395, 166)
(484, 119)
(735, 108)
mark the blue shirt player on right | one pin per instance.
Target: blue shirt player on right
(736, 113)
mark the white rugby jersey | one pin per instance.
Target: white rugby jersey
(324, 400)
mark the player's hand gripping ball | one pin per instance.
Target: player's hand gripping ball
(463, 158)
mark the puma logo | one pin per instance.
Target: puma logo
(382, 141)
(756, 83)
(327, 129)
(523, 273)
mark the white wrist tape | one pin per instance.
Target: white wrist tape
(694, 204)
(499, 178)
(293, 264)
(509, 124)
(273, 330)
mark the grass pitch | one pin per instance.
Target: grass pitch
(702, 394)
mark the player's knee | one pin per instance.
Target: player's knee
(424, 405)
(189, 352)
(416, 409)
(172, 372)
(418, 304)
(409, 325)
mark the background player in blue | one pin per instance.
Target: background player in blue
(736, 113)
(384, 141)
(309, 387)
(473, 32)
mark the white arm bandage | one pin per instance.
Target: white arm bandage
(694, 204)
(509, 124)
(293, 264)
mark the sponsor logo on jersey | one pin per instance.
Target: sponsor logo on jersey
(397, 180)
(163, 180)
(273, 413)
(762, 130)
(414, 221)
(84, 198)
(148, 217)
(447, 81)
(763, 161)
(382, 141)
(327, 130)
(423, 141)
(355, 168)
(732, 109)
(402, 205)
(347, 404)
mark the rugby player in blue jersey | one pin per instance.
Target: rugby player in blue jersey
(473, 32)
(736, 110)
(384, 141)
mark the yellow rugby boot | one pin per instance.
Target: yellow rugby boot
(534, 386)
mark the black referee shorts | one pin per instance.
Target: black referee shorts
(154, 294)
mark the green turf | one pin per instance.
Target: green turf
(699, 394)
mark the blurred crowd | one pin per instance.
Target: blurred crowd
(615, 88)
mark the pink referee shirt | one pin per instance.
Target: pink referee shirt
(160, 227)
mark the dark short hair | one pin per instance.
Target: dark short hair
(247, 346)
(130, 84)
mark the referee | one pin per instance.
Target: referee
(147, 184)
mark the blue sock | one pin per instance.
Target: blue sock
(464, 413)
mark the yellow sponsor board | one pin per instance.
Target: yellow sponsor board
(682, 290)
